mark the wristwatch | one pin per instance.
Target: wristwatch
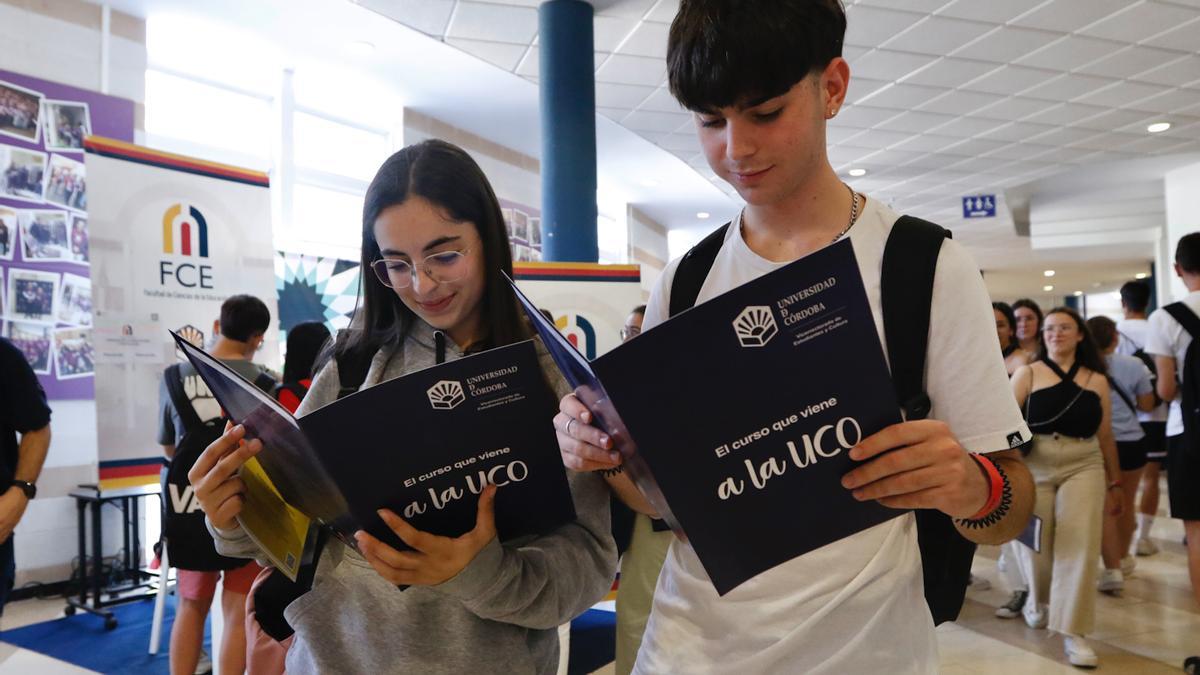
(28, 488)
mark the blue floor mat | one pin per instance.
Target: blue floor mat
(82, 641)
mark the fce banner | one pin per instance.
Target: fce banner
(589, 301)
(171, 238)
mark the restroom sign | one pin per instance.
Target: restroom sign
(979, 206)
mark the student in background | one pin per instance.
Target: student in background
(243, 323)
(1132, 390)
(433, 238)
(1006, 323)
(1132, 331)
(1168, 342)
(1014, 357)
(641, 563)
(304, 343)
(1029, 326)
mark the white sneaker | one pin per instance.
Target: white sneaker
(1146, 546)
(1128, 564)
(204, 665)
(1079, 652)
(1035, 615)
(1111, 582)
(979, 583)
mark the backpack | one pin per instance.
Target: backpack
(1189, 376)
(191, 545)
(909, 263)
(276, 592)
(1141, 355)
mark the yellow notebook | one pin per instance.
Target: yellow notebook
(279, 529)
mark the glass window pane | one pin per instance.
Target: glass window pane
(328, 146)
(209, 116)
(326, 216)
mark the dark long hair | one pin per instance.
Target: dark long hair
(444, 175)
(1086, 352)
(1007, 311)
(304, 343)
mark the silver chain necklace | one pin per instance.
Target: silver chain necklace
(853, 214)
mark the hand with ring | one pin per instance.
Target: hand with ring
(583, 446)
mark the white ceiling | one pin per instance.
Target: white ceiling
(948, 98)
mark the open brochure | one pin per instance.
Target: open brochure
(423, 445)
(735, 418)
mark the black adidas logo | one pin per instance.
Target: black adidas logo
(1014, 440)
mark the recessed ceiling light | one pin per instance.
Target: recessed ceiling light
(1140, 275)
(857, 172)
(1048, 273)
(1078, 293)
(1158, 127)
(703, 215)
(360, 47)
(1047, 288)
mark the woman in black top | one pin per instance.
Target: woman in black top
(1074, 463)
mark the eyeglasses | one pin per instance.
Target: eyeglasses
(441, 267)
(628, 332)
(1059, 328)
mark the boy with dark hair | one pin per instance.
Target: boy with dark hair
(762, 77)
(243, 324)
(1172, 329)
(1132, 331)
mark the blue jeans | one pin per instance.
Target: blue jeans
(8, 570)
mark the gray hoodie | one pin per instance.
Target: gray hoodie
(498, 615)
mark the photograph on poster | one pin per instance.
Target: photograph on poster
(74, 355)
(9, 225)
(19, 110)
(44, 236)
(66, 184)
(31, 294)
(79, 238)
(535, 232)
(34, 342)
(520, 226)
(75, 302)
(22, 173)
(507, 214)
(65, 125)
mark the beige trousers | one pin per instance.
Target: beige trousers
(1069, 475)
(639, 576)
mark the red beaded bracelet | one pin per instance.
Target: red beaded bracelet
(995, 486)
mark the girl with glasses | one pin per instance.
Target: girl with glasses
(434, 255)
(1065, 396)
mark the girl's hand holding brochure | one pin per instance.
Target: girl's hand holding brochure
(434, 559)
(215, 479)
(583, 446)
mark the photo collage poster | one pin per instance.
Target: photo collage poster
(524, 225)
(45, 280)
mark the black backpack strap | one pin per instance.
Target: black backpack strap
(693, 270)
(352, 370)
(173, 378)
(1186, 318)
(909, 264)
(1112, 384)
(265, 382)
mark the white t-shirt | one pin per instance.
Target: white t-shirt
(856, 605)
(1167, 338)
(1133, 335)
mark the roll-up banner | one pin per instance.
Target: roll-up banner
(171, 238)
(589, 301)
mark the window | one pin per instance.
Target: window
(183, 114)
(324, 145)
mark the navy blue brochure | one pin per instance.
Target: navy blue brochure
(423, 445)
(742, 411)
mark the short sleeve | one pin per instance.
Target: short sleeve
(658, 308)
(23, 406)
(1162, 334)
(1144, 384)
(965, 375)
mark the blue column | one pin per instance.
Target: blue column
(568, 110)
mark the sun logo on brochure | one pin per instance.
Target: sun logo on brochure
(446, 395)
(755, 326)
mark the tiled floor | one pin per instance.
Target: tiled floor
(1150, 629)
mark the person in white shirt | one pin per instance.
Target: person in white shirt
(1168, 342)
(762, 77)
(1135, 299)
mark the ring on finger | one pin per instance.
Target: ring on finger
(570, 421)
